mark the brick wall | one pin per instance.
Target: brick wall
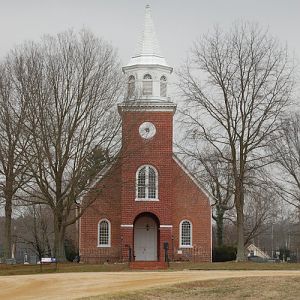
(156, 152)
(191, 204)
(106, 204)
(179, 197)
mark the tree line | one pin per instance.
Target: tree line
(242, 126)
(57, 100)
(59, 126)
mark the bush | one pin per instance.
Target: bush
(284, 253)
(70, 249)
(224, 253)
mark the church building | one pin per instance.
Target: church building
(146, 207)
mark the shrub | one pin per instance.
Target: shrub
(224, 253)
(70, 249)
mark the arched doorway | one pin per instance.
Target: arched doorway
(146, 237)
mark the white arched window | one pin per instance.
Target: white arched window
(104, 233)
(146, 183)
(185, 234)
(147, 85)
(163, 86)
(131, 86)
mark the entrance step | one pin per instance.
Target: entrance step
(148, 265)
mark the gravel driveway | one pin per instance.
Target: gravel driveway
(77, 285)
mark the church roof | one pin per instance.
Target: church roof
(108, 167)
(148, 50)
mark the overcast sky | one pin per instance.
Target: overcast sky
(177, 23)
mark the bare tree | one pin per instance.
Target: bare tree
(236, 85)
(12, 145)
(285, 149)
(71, 83)
(35, 229)
(260, 208)
(215, 174)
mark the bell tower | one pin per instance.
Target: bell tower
(147, 133)
(147, 72)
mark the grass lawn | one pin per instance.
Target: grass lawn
(275, 288)
(61, 268)
(73, 267)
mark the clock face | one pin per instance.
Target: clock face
(147, 130)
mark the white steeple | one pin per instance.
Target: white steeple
(148, 50)
(147, 74)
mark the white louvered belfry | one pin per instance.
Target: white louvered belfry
(147, 72)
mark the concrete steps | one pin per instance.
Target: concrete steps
(148, 265)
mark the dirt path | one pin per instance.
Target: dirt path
(77, 285)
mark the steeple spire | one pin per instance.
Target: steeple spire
(147, 74)
(148, 45)
(148, 50)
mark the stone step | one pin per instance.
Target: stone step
(148, 265)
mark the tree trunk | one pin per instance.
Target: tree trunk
(240, 256)
(7, 229)
(239, 204)
(220, 226)
(59, 239)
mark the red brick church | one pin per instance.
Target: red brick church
(147, 206)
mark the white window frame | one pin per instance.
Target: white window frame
(180, 234)
(163, 82)
(146, 184)
(131, 86)
(109, 234)
(148, 81)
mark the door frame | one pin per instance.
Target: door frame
(156, 220)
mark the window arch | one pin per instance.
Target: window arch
(163, 86)
(104, 233)
(131, 86)
(185, 234)
(147, 85)
(146, 183)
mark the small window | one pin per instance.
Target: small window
(163, 86)
(131, 86)
(147, 85)
(147, 183)
(185, 234)
(104, 233)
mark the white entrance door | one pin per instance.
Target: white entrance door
(145, 239)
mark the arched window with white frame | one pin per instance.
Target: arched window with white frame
(147, 85)
(131, 86)
(163, 86)
(185, 234)
(146, 183)
(104, 233)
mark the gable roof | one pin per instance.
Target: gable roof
(257, 251)
(97, 179)
(194, 179)
(108, 167)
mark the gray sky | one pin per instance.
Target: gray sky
(177, 23)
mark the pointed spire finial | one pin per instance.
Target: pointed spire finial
(148, 50)
(148, 44)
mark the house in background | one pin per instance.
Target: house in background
(146, 206)
(255, 251)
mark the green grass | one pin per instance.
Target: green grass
(275, 288)
(72, 267)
